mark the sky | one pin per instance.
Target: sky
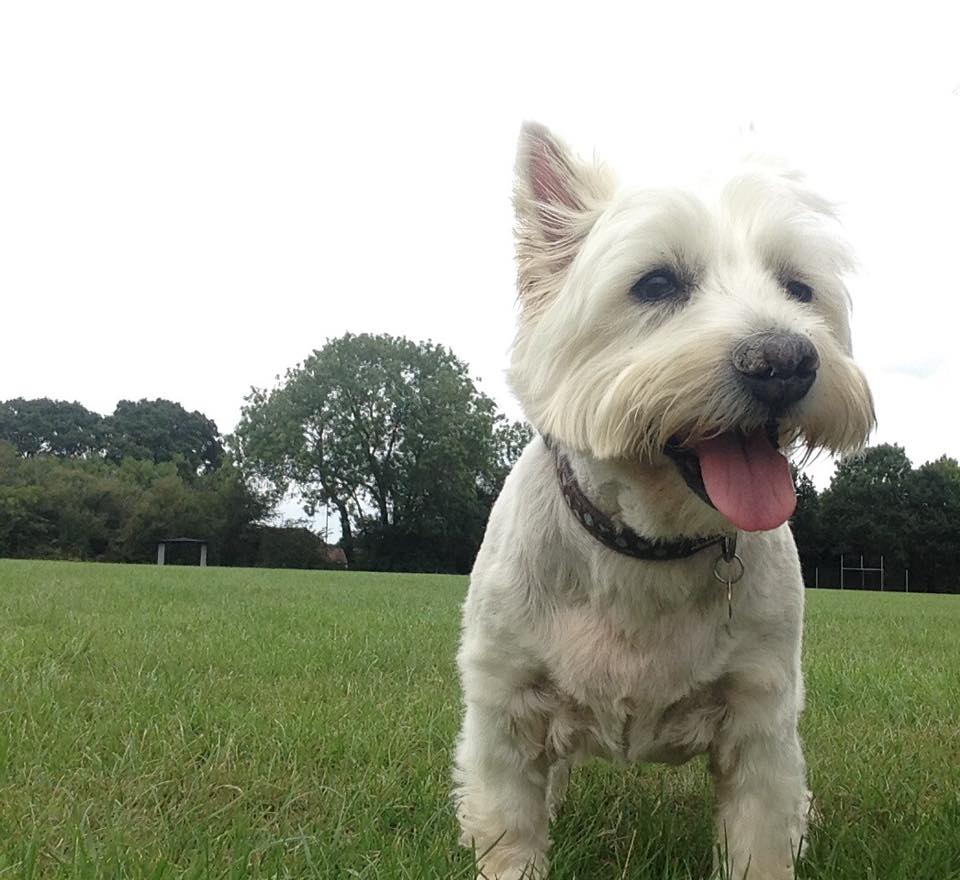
(194, 196)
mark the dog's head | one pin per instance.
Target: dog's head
(708, 327)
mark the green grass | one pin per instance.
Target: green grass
(218, 723)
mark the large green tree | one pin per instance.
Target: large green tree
(392, 434)
(162, 430)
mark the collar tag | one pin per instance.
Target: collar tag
(728, 569)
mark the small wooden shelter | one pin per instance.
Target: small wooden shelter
(162, 548)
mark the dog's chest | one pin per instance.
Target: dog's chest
(657, 695)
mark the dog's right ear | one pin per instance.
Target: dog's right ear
(557, 199)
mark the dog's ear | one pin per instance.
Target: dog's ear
(557, 199)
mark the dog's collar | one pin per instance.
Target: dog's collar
(619, 538)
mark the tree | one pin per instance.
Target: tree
(161, 430)
(866, 508)
(50, 427)
(807, 527)
(24, 532)
(391, 433)
(934, 505)
(510, 439)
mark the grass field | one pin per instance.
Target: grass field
(218, 723)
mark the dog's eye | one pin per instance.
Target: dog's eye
(799, 291)
(657, 285)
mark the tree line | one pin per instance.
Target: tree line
(150, 430)
(395, 439)
(390, 434)
(879, 505)
(78, 485)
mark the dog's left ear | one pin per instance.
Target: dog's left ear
(557, 199)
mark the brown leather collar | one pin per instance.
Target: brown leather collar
(620, 538)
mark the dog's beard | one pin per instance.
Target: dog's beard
(743, 474)
(676, 394)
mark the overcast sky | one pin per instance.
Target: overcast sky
(193, 196)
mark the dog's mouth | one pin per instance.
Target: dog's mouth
(742, 474)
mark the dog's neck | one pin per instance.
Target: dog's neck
(649, 499)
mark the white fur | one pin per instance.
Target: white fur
(571, 650)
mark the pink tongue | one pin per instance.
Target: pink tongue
(748, 480)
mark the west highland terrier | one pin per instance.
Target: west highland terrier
(638, 594)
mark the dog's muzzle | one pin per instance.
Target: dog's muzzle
(777, 369)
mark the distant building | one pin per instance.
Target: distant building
(337, 556)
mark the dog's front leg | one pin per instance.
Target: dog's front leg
(762, 801)
(501, 781)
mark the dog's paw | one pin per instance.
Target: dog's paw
(812, 811)
(514, 874)
(558, 780)
(508, 867)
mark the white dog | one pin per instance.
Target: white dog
(638, 594)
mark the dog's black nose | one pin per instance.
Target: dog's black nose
(776, 368)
